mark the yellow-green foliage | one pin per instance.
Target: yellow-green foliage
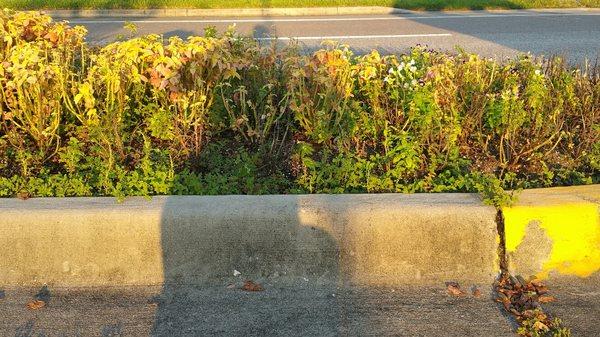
(37, 73)
(223, 114)
(400, 123)
(165, 87)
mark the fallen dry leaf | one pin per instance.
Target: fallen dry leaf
(476, 292)
(35, 304)
(252, 286)
(155, 301)
(523, 299)
(540, 326)
(454, 289)
(546, 299)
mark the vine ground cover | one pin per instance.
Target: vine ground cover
(222, 114)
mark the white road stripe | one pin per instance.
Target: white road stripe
(348, 37)
(434, 17)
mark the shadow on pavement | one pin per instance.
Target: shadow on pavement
(264, 31)
(429, 5)
(502, 34)
(311, 267)
(202, 297)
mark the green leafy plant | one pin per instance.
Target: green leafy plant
(223, 113)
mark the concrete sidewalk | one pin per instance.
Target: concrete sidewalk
(283, 309)
(280, 310)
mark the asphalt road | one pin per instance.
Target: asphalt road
(574, 34)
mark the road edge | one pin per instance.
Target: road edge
(266, 12)
(228, 12)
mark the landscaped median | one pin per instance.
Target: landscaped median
(224, 114)
(227, 115)
(286, 142)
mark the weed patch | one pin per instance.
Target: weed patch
(223, 114)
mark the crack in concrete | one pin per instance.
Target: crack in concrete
(502, 242)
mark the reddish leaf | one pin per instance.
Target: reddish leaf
(252, 286)
(546, 299)
(174, 96)
(23, 195)
(52, 37)
(454, 289)
(35, 304)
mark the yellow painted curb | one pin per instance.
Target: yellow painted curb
(554, 231)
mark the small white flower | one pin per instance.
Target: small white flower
(412, 62)
(413, 69)
(413, 83)
(405, 85)
(401, 66)
(391, 71)
(538, 72)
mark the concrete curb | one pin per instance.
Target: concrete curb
(231, 12)
(554, 232)
(388, 239)
(384, 239)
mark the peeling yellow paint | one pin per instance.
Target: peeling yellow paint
(573, 228)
